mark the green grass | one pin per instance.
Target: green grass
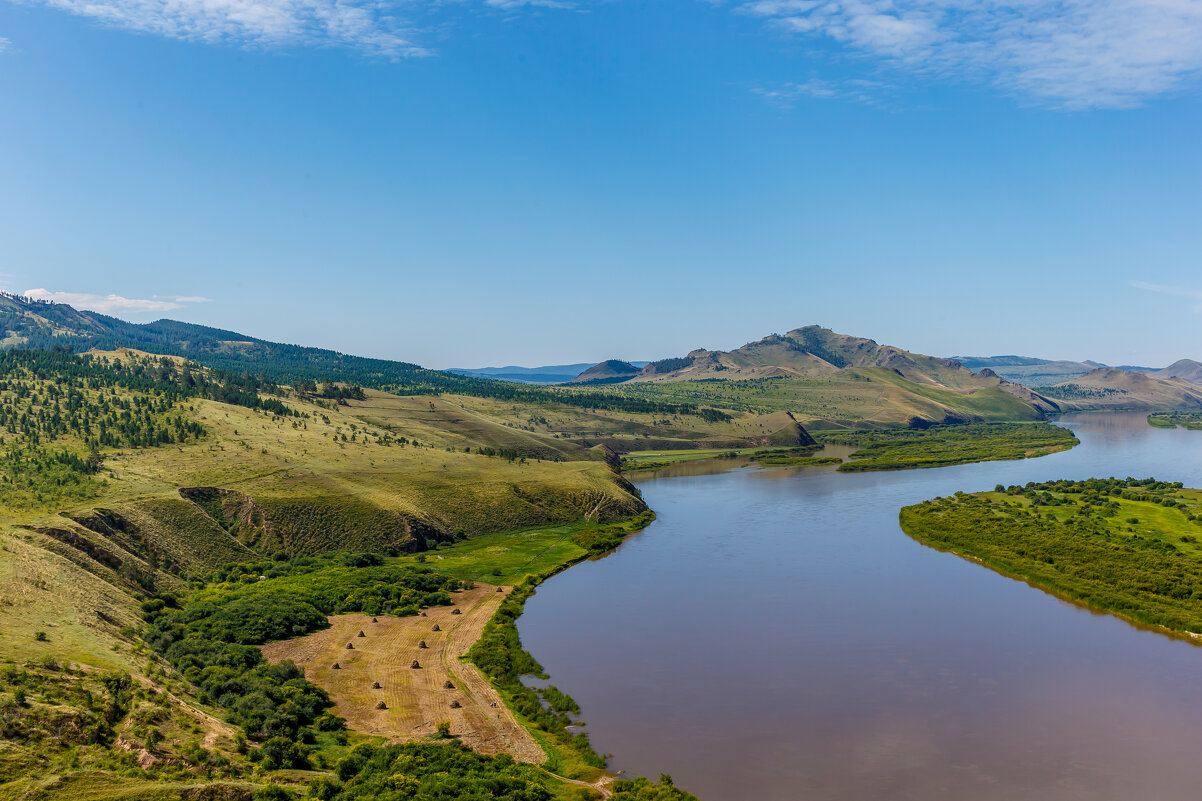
(106, 786)
(1190, 420)
(949, 445)
(505, 558)
(856, 396)
(1127, 547)
(793, 458)
(653, 460)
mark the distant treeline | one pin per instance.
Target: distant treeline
(236, 353)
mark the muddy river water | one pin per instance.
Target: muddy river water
(775, 635)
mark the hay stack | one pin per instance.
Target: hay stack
(446, 685)
(337, 666)
(381, 705)
(416, 665)
(500, 590)
(360, 634)
(350, 646)
(375, 685)
(436, 628)
(456, 611)
(373, 620)
(456, 705)
(422, 644)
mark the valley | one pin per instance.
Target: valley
(217, 501)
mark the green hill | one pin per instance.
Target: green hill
(823, 378)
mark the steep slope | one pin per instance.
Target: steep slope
(1112, 388)
(611, 371)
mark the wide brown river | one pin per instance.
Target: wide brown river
(775, 635)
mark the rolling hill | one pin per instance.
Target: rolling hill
(1185, 369)
(612, 371)
(828, 380)
(812, 351)
(1113, 388)
(28, 323)
(835, 380)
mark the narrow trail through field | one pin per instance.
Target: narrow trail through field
(416, 699)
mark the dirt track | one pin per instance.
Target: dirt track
(416, 698)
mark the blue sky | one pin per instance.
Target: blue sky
(473, 182)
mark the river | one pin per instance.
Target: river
(775, 635)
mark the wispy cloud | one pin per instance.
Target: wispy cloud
(376, 27)
(114, 304)
(1074, 54)
(787, 94)
(4, 43)
(365, 26)
(1177, 291)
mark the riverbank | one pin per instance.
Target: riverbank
(1129, 547)
(696, 649)
(524, 560)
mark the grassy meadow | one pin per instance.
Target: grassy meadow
(1190, 420)
(851, 398)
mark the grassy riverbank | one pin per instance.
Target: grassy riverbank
(1125, 546)
(1190, 420)
(777, 457)
(940, 446)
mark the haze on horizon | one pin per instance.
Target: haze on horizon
(490, 182)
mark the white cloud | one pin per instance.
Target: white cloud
(1070, 53)
(4, 44)
(113, 304)
(1177, 291)
(376, 27)
(364, 26)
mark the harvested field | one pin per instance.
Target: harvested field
(417, 699)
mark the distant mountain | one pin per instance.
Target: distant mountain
(816, 352)
(801, 353)
(612, 371)
(550, 374)
(1185, 369)
(806, 352)
(1033, 371)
